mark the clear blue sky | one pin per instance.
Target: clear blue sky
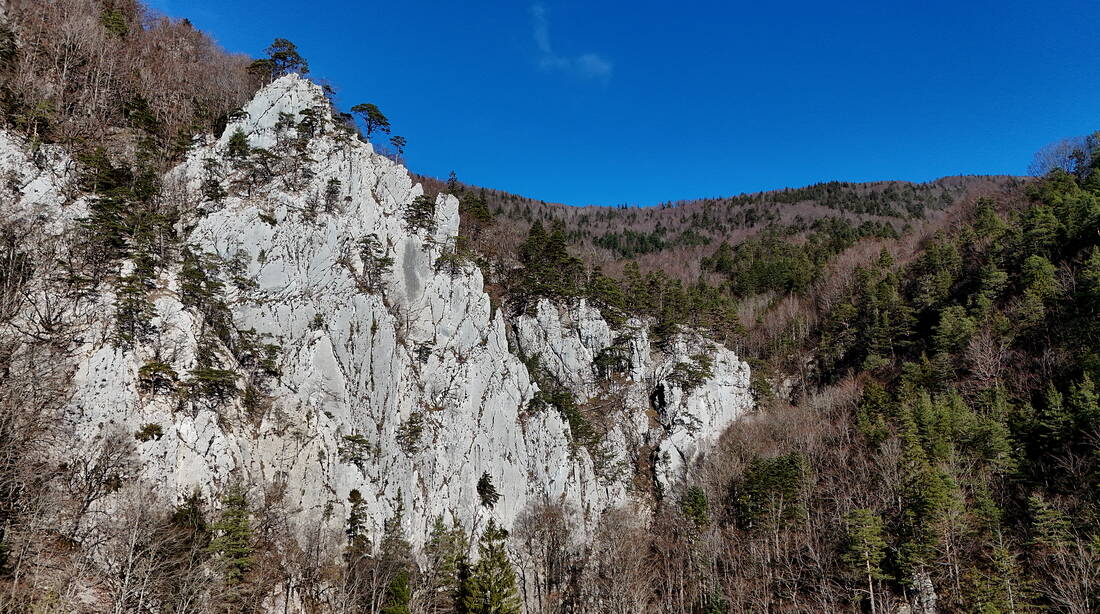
(607, 102)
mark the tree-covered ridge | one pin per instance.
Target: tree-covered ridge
(676, 237)
(971, 444)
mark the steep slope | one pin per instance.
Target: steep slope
(316, 339)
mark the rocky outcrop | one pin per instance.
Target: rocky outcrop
(390, 372)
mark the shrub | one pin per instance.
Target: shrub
(238, 148)
(148, 432)
(408, 434)
(376, 264)
(157, 377)
(690, 375)
(208, 381)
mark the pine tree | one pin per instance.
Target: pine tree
(865, 550)
(238, 148)
(446, 552)
(373, 119)
(396, 562)
(232, 542)
(492, 583)
(486, 491)
(398, 594)
(283, 58)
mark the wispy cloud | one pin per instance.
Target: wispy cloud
(586, 65)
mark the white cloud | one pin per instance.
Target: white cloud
(586, 65)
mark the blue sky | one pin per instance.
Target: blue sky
(601, 102)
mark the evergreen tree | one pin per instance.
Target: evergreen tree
(865, 550)
(492, 583)
(238, 148)
(487, 491)
(398, 143)
(282, 59)
(446, 552)
(372, 117)
(232, 541)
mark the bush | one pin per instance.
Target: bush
(148, 432)
(408, 434)
(157, 377)
(690, 375)
(208, 381)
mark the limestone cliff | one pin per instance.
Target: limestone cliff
(390, 371)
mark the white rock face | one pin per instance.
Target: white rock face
(358, 366)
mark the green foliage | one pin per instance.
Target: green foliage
(372, 118)
(376, 264)
(212, 188)
(420, 215)
(114, 21)
(865, 548)
(354, 449)
(282, 59)
(409, 432)
(358, 543)
(486, 491)
(231, 545)
(472, 208)
(134, 312)
(841, 196)
(396, 554)
(492, 583)
(695, 507)
(690, 375)
(548, 269)
(253, 354)
(149, 432)
(398, 594)
(448, 566)
(455, 256)
(871, 326)
(238, 148)
(332, 194)
(157, 377)
(398, 143)
(613, 359)
(201, 289)
(769, 494)
(209, 381)
(776, 261)
(553, 394)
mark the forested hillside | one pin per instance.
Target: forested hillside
(924, 366)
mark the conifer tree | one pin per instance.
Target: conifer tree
(446, 552)
(866, 550)
(396, 562)
(238, 148)
(492, 583)
(373, 119)
(486, 491)
(282, 59)
(232, 542)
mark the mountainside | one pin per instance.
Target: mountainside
(676, 237)
(250, 364)
(318, 339)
